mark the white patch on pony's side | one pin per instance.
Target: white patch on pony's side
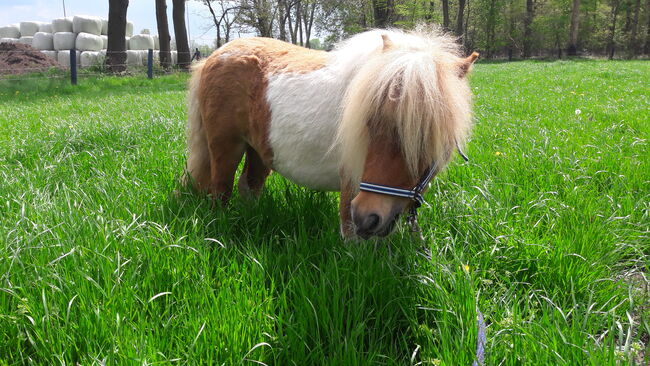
(319, 118)
(305, 113)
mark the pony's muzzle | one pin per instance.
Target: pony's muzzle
(375, 215)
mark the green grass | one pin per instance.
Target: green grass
(545, 231)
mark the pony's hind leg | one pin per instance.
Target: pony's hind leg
(225, 155)
(254, 174)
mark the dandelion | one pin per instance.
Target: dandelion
(578, 112)
(498, 153)
(466, 268)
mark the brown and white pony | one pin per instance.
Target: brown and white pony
(383, 107)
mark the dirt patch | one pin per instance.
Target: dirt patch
(17, 58)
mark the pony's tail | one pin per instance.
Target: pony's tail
(197, 170)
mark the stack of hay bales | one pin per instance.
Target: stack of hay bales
(87, 34)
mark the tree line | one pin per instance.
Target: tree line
(497, 28)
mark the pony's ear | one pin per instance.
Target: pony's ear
(388, 44)
(466, 63)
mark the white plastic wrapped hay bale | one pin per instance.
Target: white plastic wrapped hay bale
(141, 42)
(50, 54)
(87, 24)
(156, 42)
(127, 42)
(9, 40)
(28, 29)
(10, 31)
(88, 42)
(64, 40)
(26, 40)
(43, 41)
(90, 58)
(63, 57)
(133, 58)
(129, 29)
(145, 57)
(45, 27)
(61, 25)
(174, 55)
(104, 41)
(105, 27)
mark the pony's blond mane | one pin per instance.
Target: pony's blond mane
(410, 89)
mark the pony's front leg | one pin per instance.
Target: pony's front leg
(345, 209)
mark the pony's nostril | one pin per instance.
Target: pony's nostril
(371, 222)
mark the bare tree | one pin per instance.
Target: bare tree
(259, 15)
(572, 50)
(180, 34)
(163, 34)
(116, 49)
(225, 21)
(308, 12)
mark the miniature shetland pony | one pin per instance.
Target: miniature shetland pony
(385, 107)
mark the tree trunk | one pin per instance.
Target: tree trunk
(633, 47)
(490, 25)
(180, 33)
(445, 14)
(466, 43)
(528, 30)
(299, 21)
(308, 20)
(572, 50)
(611, 45)
(646, 48)
(116, 49)
(217, 22)
(282, 19)
(163, 34)
(383, 11)
(459, 19)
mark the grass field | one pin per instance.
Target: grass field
(545, 230)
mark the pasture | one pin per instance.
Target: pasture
(105, 259)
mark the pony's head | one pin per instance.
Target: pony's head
(405, 111)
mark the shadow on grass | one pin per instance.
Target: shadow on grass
(349, 301)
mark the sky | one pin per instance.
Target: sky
(141, 12)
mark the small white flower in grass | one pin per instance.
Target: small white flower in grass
(578, 112)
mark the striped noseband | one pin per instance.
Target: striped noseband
(414, 194)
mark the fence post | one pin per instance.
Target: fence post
(73, 66)
(150, 64)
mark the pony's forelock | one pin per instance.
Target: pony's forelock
(412, 91)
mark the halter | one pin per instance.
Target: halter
(414, 194)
